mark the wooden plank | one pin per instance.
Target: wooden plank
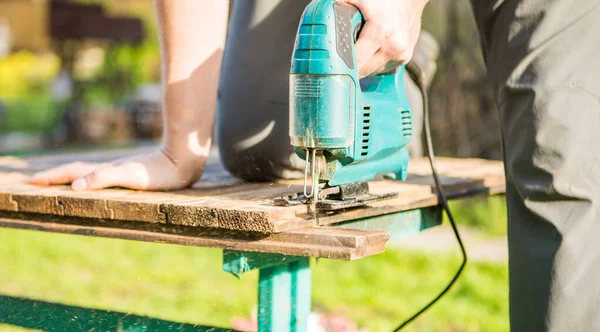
(43, 200)
(319, 242)
(221, 201)
(7, 203)
(458, 173)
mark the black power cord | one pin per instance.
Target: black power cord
(417, 75)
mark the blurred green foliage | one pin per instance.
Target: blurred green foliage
(25, 73)
(34, 114)
(25, 78)
(127, 66)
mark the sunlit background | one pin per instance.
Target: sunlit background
(86, 74)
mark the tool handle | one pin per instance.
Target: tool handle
(325, 41)
(358, 23)
(349, 22)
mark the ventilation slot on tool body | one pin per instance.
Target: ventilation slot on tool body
(406, 123)
(366, 131)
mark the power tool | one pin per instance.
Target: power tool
(348, 129)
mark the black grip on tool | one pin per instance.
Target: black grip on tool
(346, 35)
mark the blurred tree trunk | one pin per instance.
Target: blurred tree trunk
(464, 121)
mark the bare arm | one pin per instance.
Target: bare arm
(192, 38)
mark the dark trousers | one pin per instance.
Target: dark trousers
(543, 60)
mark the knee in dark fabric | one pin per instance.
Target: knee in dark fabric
(260, 162)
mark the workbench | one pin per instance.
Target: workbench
(223, 212)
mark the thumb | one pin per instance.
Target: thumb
(130, 175)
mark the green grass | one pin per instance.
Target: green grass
(485, 214)
(187, 285)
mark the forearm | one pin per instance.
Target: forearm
(192, 38)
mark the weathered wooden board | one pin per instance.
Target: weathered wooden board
(222, 201)
(319, 242)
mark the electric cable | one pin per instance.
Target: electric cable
(418, 76)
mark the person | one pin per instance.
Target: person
(541, 58)
(253, 96)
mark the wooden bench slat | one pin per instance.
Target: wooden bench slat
(221, 201)
(320, 242)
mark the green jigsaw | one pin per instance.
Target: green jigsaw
(348, 129)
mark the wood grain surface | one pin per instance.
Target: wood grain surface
(223, 202)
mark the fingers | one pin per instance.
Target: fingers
(143, 172)
(372, 39)
(129, 175)
(368, 44)
(396, 47)
(375, 63)
(392, 53)
(389, 34)
(63, 174)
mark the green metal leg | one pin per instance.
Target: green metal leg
(284, 288)
(399, 224)
(284, 297)
(284, 291)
